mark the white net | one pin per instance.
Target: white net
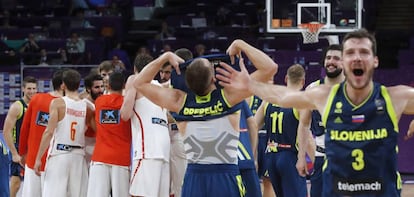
(310, 32)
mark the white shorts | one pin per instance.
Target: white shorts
(33, 184)
(65, 175)
(89, 147)
(150, 178)
(178, 164)
(104, 178)
(320, 141)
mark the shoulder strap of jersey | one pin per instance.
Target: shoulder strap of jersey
(328, 106)
(390, 107)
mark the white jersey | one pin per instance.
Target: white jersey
(149, 127)
(212, 141)
(70, 131)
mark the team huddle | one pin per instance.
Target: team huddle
(144, 137)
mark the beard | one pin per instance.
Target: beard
(94, 96)
(333, 74)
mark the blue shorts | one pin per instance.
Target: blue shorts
(251, 182)
(218, 180)
(261, 149)
(4, 171)
(283, 174)
(316, 177)
(15, 169)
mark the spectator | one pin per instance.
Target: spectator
(165, 32)
(43, 57)
(75, 47)
(200, 50)
(30, 45)
(121, 54)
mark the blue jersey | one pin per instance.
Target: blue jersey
(281, 125)
(245, 153)
(211, 106)
(254, 103)
(16, 129)
(316, 123)
(361, 145)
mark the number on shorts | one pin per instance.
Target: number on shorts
(73, 130)
(359, 163)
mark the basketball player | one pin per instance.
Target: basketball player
(109, 170)
(94, 88)
(66, 171)
(360, 117)
(11, 131)
(333, 68)
(281, 151)
(33, 126)
(150, 138)
(208, 118)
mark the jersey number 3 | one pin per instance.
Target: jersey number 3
(358, 163)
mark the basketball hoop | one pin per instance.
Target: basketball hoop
(310, 32)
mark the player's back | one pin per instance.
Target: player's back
(71, 129)
(113, 135)
(150, 135)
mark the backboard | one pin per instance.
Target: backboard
(338, 16)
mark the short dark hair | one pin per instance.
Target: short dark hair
(184, 53)
(332, 47)
(362, 33)
(90, 78)
(197, 76)
(29, 79)
(141, 60)
(71, 78)
(57, 79)
(116, 81)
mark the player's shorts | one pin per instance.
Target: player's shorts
(217, 180)
(33, 184)
(178, 164)
(150, 177)
(283, 174)
(251, 182)
(106, 179)
(65, 174)
(16, 169)
(261, 149)
(316, 177)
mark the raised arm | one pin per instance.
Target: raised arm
(168, 98)
(127, 108)
(266, 68)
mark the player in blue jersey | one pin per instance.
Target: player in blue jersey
(334, 75)
(207, 117)
(281, 152)
(246, 156)
(11, 131)
(254, 104)
(4, 170)
(360, 116)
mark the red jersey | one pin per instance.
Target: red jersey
(113, 135)
(33, 126)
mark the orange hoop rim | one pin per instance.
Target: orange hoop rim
(311, 27)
